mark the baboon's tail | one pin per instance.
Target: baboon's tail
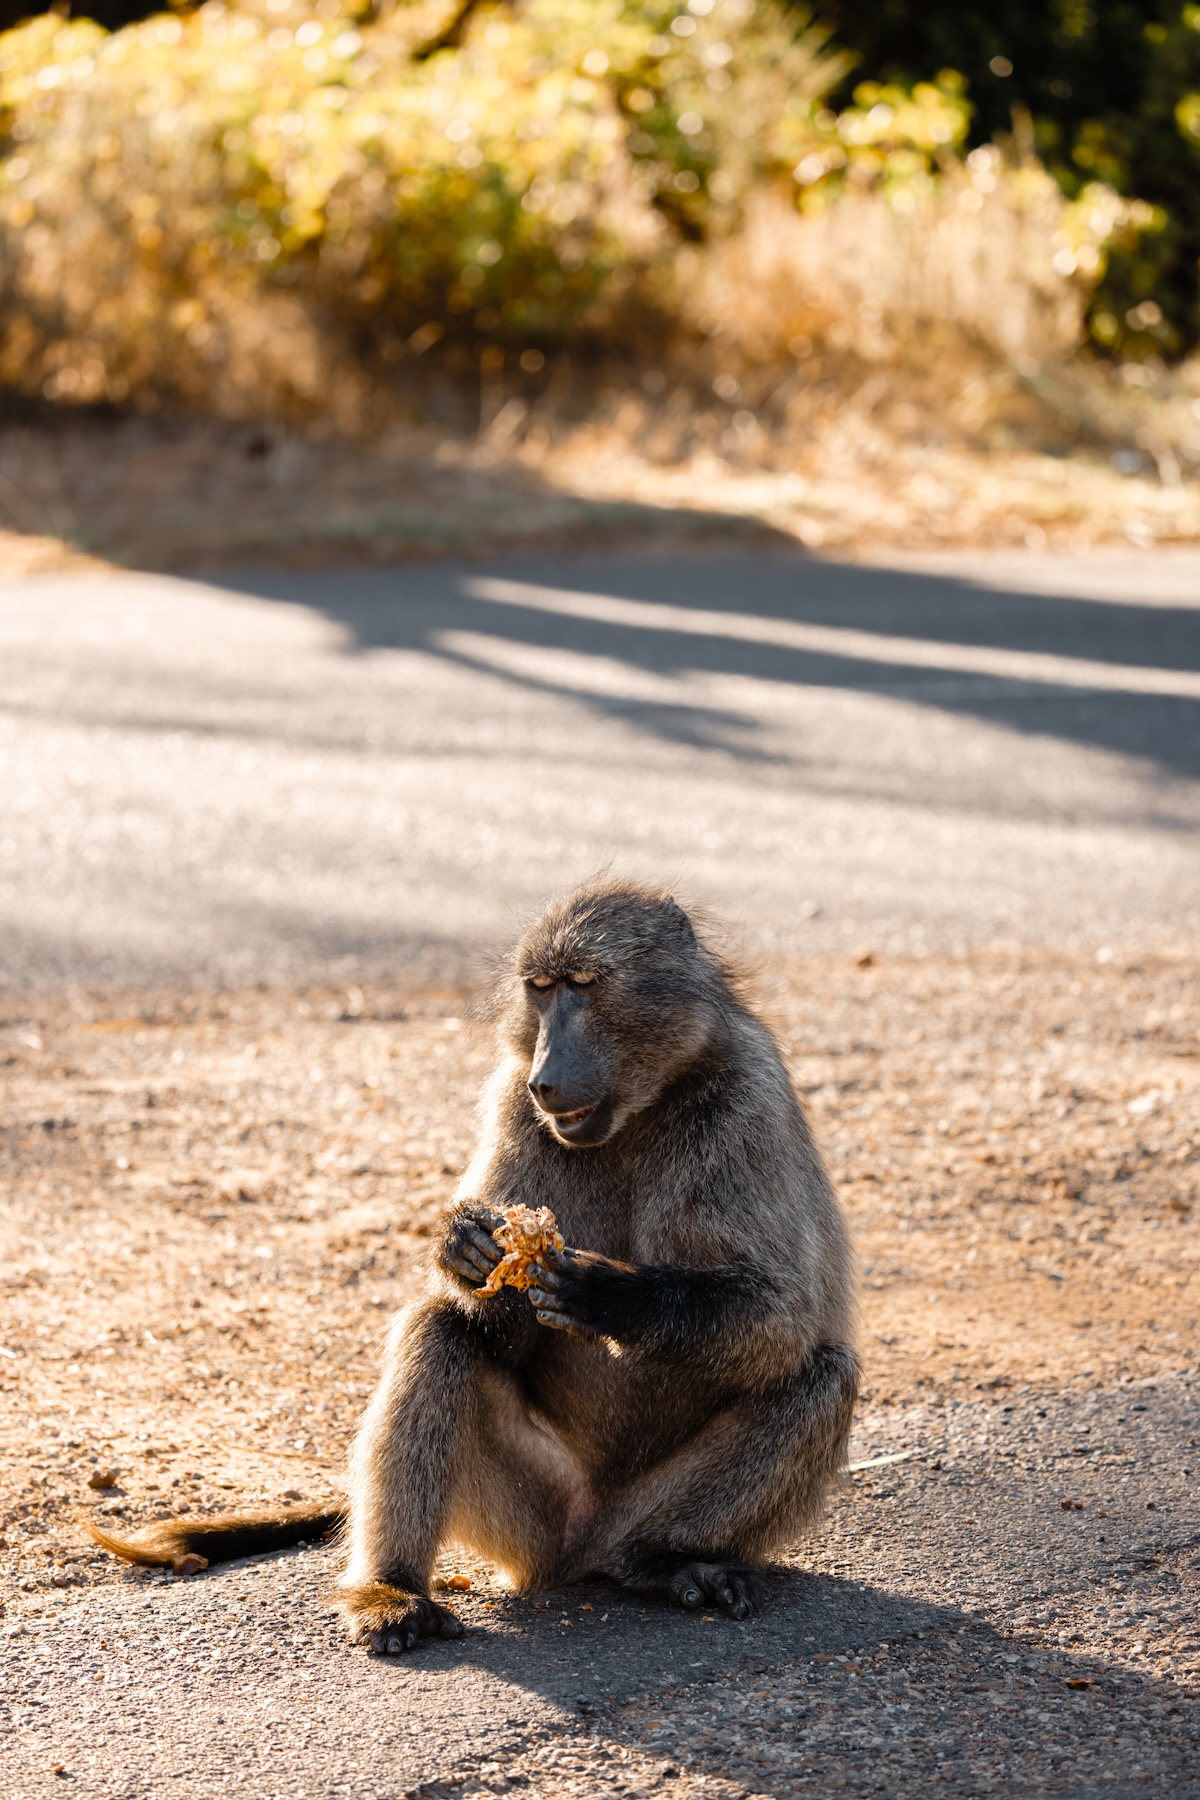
(173, 1542)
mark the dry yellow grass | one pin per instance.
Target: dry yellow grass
(192, 495)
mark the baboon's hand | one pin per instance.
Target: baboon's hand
(469, 1251)
(578, 1291)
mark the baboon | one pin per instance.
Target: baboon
(667, 1405)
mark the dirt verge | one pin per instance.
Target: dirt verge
(210, 1205)
(162, 494)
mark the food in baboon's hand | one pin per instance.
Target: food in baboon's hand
(526, 1235)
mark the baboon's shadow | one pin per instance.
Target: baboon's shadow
(804, 1685)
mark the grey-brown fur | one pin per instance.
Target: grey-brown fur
(696, 1421)
(667, 1406)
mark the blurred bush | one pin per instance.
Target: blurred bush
(163, 180)
(1107, 90)
(276, 210)
(987, 253)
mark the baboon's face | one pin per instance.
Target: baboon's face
(608, 1024)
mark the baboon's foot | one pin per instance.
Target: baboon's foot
(389, 1620)
(731, 1586)
(692, 1579)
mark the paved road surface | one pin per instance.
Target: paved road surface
(298, 776)
(375, 773)
(962, 1643)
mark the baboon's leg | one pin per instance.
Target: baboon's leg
(447, 1449)
(753, 1478)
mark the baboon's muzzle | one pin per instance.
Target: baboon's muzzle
(571, 1079)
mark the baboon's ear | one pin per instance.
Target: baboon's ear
(679, 920)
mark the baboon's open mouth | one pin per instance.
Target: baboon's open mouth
(585, 1125)
(565, 1120)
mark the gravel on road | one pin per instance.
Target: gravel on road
(954, 1625)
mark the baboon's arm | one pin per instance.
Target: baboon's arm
(713, 1315)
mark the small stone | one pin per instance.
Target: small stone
(102, 1478)
(190, 1564)
(1079, 1682)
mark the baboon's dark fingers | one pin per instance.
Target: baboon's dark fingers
(470, 1251)
(745, 1591)
(731, 1590)
(558, 1262)
(547, 1311)
(742, 1607)
(546, 1300)
(685, 1590)
(715, 1582)
(483, 1244)
(470, 1262)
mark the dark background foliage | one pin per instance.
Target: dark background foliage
(1099, 84)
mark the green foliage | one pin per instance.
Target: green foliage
(1109, 90)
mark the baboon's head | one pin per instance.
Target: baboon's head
(616, 1000)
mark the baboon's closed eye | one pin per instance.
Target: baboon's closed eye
(576, 978)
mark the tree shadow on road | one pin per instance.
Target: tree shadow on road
(624, 634)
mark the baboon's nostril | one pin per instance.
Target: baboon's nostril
(543, 1092)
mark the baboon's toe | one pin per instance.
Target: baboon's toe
(389, 1621)
(714, 1584)
(741, 1604)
